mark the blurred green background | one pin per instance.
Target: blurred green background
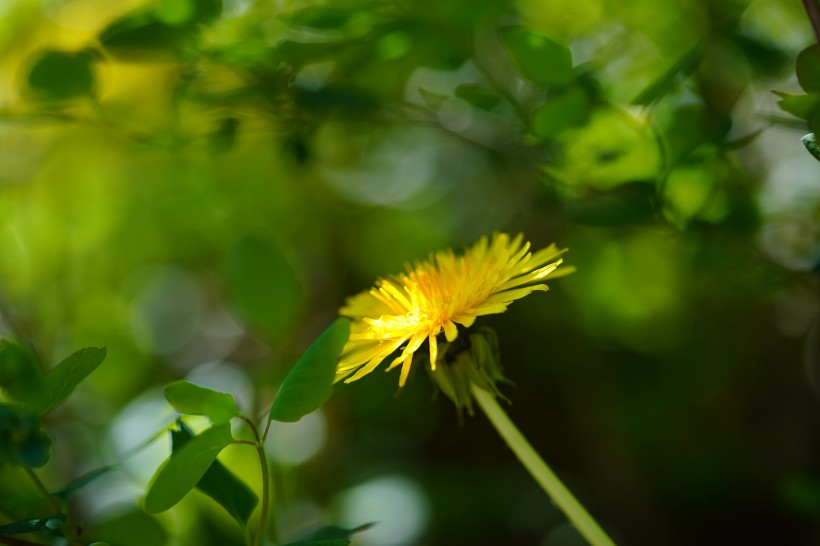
(198, 184)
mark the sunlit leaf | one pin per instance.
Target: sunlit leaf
(808, 68)
(31, 525)
(64, 378)
(220, 484)
(180, 13)
(539, 58)
(309, 383)
(192, 399)
(184, 468)
(615, 147)
(175, 12)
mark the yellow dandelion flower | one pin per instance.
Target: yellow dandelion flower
(436, 295)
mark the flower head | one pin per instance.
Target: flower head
(436, 295)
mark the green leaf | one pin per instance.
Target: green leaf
(183, 12)
(31, 525)
(184, 468)
(810, 142)
(480, 96)
(263, 287)
(800, 106)
(220, 484)
(64, 378)
(141, 36)
(567, 110)
(325, 17)
(75, 485)
(21, 376)
(808, 68)
(175, 12)
(539, 58)
(327, 535)
(309, 383)
(61, 75)
(195, 400)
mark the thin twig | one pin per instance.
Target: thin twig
(813, 11)
(52, 502)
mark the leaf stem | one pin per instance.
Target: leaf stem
(52, 502)
(263, 515)
(263, 463)
(267, 428)
(539, 470)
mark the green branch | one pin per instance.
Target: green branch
(539, 470)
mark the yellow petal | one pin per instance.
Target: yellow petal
(450, 331)
(433, 351)
(405, 370)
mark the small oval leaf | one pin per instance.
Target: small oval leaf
(539, 58)
(64, 378)
(195, 400)
(185, 467)
(309, 383)
(221, 484)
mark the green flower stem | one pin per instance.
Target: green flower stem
(263, 463)
(52, 502)
(263, 516)
(539, 470)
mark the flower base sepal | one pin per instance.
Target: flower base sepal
(462, 364)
